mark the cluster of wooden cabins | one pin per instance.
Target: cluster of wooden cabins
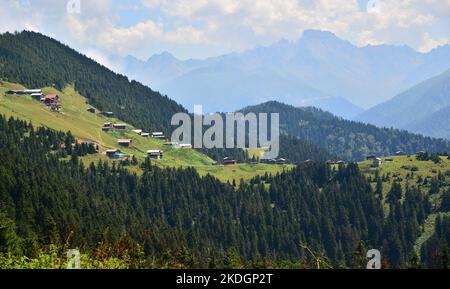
(52, 101)
(128, 143)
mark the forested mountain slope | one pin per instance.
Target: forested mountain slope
(199, 212)
(47, 196)
(35, 60)
(348, 139)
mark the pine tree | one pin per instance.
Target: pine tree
(9, 241)
(395, 194)
(233, 259)
(359, 258)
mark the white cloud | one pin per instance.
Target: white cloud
(124, 40)
(394, 21)
(430, 43)
(230, 24)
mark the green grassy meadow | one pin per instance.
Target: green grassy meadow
(84, 125)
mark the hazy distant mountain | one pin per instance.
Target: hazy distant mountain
(318, 66)
(338, 106)
(424, 108)
(436, 124)
(158, 69)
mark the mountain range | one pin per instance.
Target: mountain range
(424, 109)
(319, 69)
(58, 192)
(147, 109)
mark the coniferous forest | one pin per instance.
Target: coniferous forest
(316, 215)
(349, 140)
(176, 218)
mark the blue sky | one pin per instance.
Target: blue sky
(203, 28)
